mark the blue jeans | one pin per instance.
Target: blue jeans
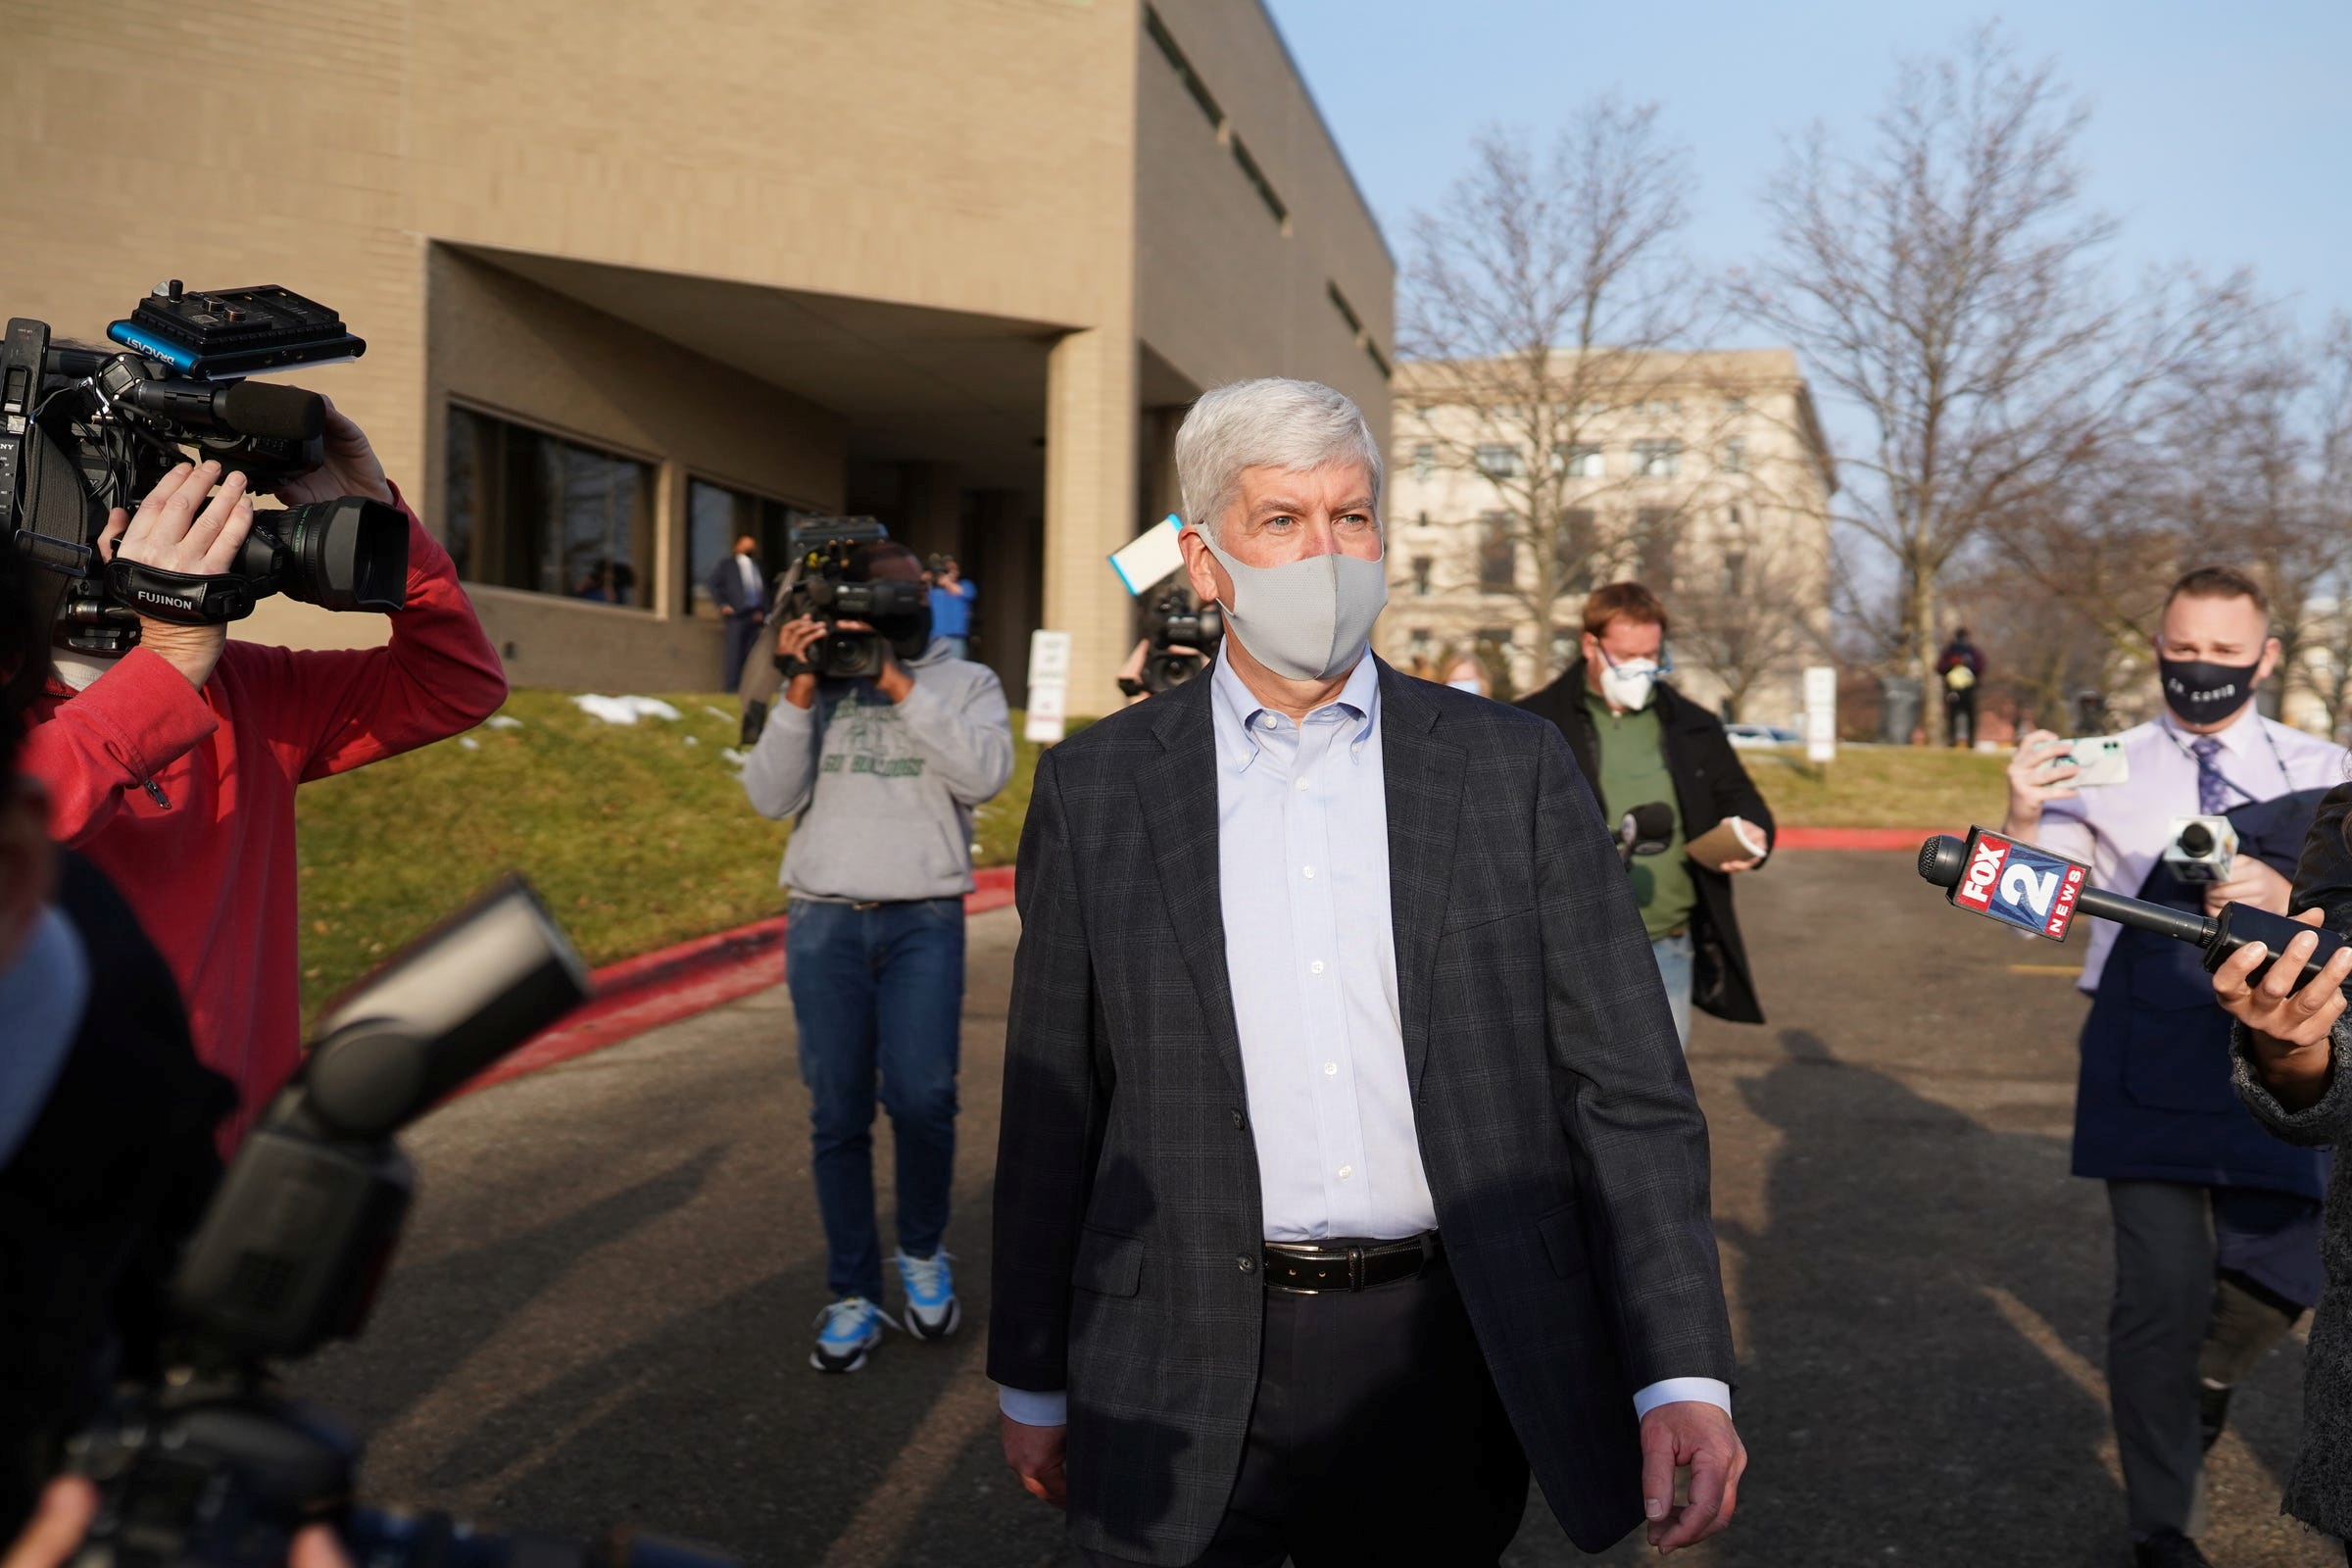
(878, 994)
(1674, 968)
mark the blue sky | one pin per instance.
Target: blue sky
(2220, 136)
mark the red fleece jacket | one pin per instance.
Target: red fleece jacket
(186, 797)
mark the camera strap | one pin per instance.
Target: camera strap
(177, 597)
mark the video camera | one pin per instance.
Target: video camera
(1183, 638)
(210, 1466)
(84, 430)
(817, 585)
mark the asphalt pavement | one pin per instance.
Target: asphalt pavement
(603, 1309)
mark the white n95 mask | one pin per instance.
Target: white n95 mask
(1627, 685)
(1308, 620)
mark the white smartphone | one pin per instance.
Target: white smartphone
(2100, 759)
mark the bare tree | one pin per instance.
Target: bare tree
(1941, 283)
(1540, 300)
(1749, 620)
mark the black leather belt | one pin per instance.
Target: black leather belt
(1308, 1268)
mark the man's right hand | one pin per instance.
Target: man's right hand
(169, 532)
(1035, 1456)
(794, 639)
(2037, 775)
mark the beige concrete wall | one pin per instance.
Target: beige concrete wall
(1223, 289)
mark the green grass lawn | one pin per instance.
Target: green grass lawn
(639, 836)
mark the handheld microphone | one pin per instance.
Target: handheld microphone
(1646, 829)
(2034, 890)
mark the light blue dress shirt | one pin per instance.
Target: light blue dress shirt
(1310, 953)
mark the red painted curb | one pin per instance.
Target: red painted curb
(635, 995)
(1854, 838)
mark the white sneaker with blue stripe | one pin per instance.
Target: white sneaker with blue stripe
(845, 1331)
(932, 1310)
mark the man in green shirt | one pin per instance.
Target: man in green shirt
(1639, 742)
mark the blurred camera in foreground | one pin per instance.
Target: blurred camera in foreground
(210, 1465)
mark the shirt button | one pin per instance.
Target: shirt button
(1247, 1265)
(1310, 873)
(1316, 968)
(1331, 1069)
(1357, 747)
(1302, 786)
(1269, 722)
(1346, 1171)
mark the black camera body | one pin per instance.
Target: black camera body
(85, 429)
(210, 1466)
(1184, 639)
(817, 585)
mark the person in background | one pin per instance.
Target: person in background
(173, 768)
(1640, 741)
(1959, 667)
(1467, 674)
(952, 597)
(2215, 1224)
(738, 585)
(880, 777)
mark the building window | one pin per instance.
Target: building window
(1425, 463)
(1421, 565)
(1263, 186)
(533, 511)
(1658, 408)
(1734, 574)
(1577, 540)
(1577, 462)
(1653, 548)
(1418, 641)
(715, 518)
(1499, 462)
(1185, 73)
(1498, 553)
(1657, 460)
(1735, 455)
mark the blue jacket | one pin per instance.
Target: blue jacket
(2155, 1101)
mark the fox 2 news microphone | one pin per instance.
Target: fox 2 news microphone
(211, 1466)
(2029, 888)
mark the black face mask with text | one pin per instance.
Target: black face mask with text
(2202, 693)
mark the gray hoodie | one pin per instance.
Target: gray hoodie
(881, 794)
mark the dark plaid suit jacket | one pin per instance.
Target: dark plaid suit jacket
(1566, 1154)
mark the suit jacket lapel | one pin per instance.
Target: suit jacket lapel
(1425, 807)
(1177, 799)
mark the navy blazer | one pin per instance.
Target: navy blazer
(1564, 1149)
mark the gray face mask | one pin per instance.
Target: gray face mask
(1308, 620)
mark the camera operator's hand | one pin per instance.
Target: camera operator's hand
(169, 532)
(2037, 775)
(351, 468)
(2250, 882)
(794, 639)
(2290, 1029)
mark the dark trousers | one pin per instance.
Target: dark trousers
(1960, 716)
(2170, 1239)
(743, 635)
(878, 994)
(1377, 1439)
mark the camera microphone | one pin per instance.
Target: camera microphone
(261, 409)
(2034, 890)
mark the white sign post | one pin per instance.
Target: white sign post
(1821, 714)
(1049, 686)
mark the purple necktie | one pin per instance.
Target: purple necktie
(2213, 791)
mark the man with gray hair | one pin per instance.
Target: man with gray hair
(1349, 1168)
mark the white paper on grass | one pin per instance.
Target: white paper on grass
(502, 722)
(623, 709)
